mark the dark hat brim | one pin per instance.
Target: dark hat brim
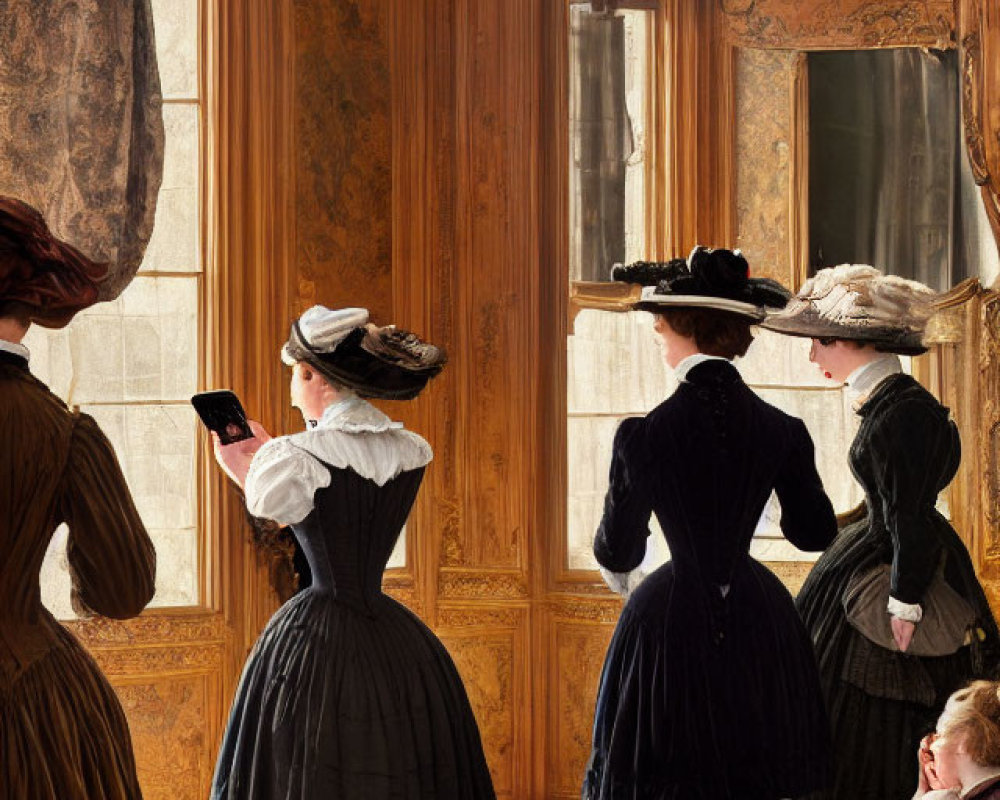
(807, 323)
(350, 364)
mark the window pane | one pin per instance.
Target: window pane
(141, 347)
(176, 25)
(174, 246)
(609, 81)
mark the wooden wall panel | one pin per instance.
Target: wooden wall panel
(343, 160)
(490, 649)
(577, 638)
(168, 672)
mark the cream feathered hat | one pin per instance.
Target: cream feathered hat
(857, 302)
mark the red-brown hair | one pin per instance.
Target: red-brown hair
(715, 332)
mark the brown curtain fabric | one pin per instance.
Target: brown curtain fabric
(81, 124)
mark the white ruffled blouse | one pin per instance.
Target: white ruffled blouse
(288, 470)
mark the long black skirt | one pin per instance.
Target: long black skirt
(705, 697)
(335, 702)
(882, 702)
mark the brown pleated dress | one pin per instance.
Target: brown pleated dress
(62, 731)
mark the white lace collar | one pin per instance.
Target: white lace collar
(354, 415)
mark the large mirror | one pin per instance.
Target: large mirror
(890, 182)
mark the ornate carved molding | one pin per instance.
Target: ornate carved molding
(980, 40)
(161, 662)
(989, 444)
(485, 617)
(486, 585)
(151, 628)
(839, 24)
(569, 608)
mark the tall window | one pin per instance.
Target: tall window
(134, 363)
(614, 366)
(614, 369)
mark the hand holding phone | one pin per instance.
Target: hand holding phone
(223, 413)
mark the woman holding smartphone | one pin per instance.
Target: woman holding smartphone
(346, 693)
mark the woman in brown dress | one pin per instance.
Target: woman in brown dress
(62, 731)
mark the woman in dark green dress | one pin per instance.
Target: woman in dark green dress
(881, 696)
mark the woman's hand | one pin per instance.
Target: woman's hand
(235, 458)
(902, 632)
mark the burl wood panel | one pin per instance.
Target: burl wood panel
(578, 650)
(343, 153)
(167, 722)
(489, 647)
(839, 24)
(763, 159)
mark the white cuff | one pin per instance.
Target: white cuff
(911, 612)
(623, 583)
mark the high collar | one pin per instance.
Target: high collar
(718, 372)
(16, 349)
(16, 355)
(865, 379)
(687, 364)
(355, 415)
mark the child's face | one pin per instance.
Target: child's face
(948, 751)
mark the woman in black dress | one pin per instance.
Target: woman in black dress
(880, 696)
(346, 693)
(709, 688)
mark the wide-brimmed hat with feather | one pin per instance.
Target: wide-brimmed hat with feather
(857, 302)
(380, 362)
(710, 278)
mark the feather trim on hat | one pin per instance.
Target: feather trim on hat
(857, 294)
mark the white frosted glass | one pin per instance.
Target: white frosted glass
(156, 448)
(176, 567)
(614, 364)
(56, 584)
(174, 245)
(142, 347)
(398, 558)
(176, 571)
(176, 26)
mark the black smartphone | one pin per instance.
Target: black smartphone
(223, 413)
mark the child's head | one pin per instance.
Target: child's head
(970, 724)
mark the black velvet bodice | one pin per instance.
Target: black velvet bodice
(906, 451)
(705, 461)
(349, 535)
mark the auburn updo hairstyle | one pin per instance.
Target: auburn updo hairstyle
(715, 332)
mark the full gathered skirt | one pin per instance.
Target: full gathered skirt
(881, 702)
(336, 701)
(63, 733)
(705, 697)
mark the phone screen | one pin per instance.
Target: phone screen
(223, 413)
